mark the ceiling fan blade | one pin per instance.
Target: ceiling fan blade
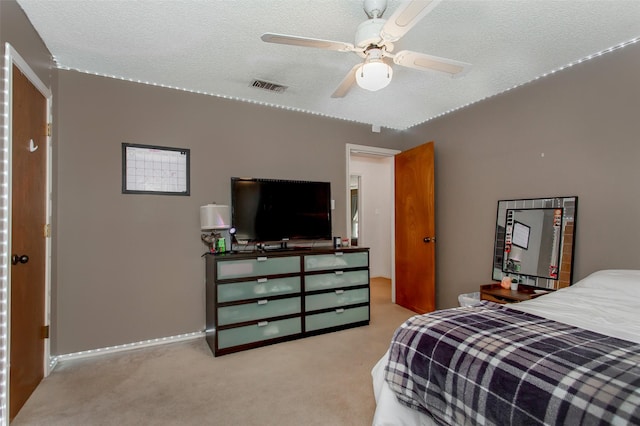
(422, 61)
(307, 42)
(405, 17)
(347, 83)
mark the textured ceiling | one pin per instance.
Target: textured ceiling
(214, 47)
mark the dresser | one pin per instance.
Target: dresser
(257, 299)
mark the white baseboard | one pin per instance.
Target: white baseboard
(54, 360)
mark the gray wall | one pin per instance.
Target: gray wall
(585, 121)
(129, 266)
(16, 29)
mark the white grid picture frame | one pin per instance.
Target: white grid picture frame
(150, 169)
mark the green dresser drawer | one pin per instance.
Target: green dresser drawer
(337, 260)
(337, 279)
(336, 299)
(258, 310)
(336, 318)
(258, 332)
(258, 267)
(262, 287)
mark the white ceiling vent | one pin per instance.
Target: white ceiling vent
(272, 87)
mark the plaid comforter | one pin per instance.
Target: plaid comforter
(491, 365)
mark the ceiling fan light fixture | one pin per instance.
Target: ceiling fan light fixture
(374, 74)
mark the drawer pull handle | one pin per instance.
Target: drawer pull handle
(262, 259)
(339, 253)
(339, 291)
(263, 323)
(339, 311)
(339, 272)
(263, 302)
(262, 280)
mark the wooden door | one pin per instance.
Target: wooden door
(415, 229)
(28, 245)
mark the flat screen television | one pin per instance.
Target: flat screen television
(265, 210)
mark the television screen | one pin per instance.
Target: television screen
(279, 210)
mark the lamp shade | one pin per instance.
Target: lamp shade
(215, 216)
(374, 75)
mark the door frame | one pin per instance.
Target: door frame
(13, 58)
(353, 149)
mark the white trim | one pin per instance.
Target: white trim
(13, 58)
(128, 346)
(5, 267)
(27, 71)
(371, 150)
(381, 152)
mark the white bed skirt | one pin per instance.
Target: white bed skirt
(389, 412)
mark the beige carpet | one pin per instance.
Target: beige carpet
(321, 380)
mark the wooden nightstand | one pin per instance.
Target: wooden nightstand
(495, 293)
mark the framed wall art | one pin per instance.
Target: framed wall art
(149, 169)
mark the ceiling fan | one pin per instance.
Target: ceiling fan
(374, 42)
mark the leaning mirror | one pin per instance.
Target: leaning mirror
(534, 241)
(355, 208)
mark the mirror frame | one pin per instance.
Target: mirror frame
(569, 206)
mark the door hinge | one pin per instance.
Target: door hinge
(48, 129)
(45, 331)
(47, 231)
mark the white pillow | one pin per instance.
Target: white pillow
(618, 280)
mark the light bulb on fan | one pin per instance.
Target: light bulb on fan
(374, 74)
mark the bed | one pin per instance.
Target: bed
(569, 357)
